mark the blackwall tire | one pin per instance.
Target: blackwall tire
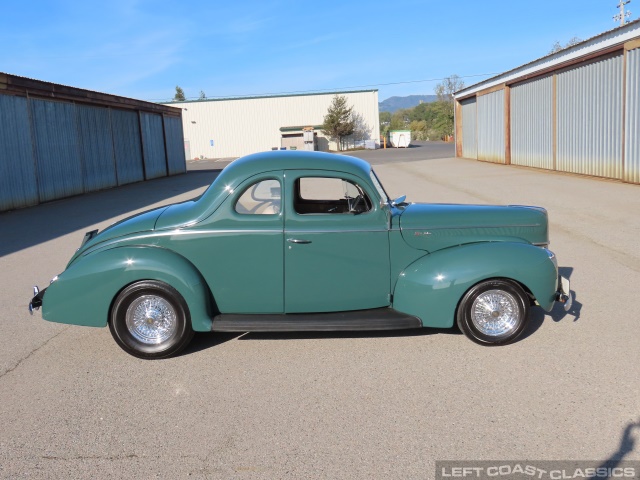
(150, 320)
(493, 312)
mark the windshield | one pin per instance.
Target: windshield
(379, 188)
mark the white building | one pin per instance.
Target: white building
(232, 127)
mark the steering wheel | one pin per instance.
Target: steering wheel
(353, 203)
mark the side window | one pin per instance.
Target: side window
(322, 195)
(261, 198)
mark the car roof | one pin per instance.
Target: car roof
(253, 164)
(246, 167)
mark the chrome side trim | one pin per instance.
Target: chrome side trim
(471, 226)
(337, 231)
(148, 236)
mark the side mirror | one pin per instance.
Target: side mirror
(398, 201)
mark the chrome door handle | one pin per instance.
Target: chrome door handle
(297, 240)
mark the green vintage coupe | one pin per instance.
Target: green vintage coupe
(306, 241)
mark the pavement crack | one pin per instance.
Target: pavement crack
(91, 457)
(32, 352)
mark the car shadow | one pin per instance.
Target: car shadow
(537, 316)
(558, 313)
(414, 332)
(205, 340)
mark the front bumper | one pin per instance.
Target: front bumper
(36, 301)
(563, 294)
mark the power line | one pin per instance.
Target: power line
(320, 90)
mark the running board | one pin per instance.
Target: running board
(375, 319)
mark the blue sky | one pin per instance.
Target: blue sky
(143, 49)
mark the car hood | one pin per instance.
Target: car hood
(142, 222)
(433, 227)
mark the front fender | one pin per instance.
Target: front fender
(431, 287)
(83, 293)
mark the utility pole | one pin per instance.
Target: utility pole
(622, 16)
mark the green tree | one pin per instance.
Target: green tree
(179, 96)
(202, 96)
(419, 130)
(385, 118)
(444, 106)
(400, 120)
(339, 121)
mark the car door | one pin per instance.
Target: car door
(240, 253)
(336, 255)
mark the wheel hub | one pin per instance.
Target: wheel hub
(495, 313)
(151, 319)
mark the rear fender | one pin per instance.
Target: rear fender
(83, 294)
(431, 287)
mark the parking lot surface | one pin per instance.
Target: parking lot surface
(344, 405)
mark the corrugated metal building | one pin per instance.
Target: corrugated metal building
(57, 141)
(232, 127)
(575, 111)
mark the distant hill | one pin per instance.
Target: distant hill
(392, 104)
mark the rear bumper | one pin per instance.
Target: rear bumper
(563, 294)
(36, 301)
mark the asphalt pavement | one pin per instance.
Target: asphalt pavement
(324, 405)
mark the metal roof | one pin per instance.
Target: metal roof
(300, 127)
(253, 97)
(18, 85)
(600, 42)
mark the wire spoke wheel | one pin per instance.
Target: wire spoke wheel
(150, 319)
(493, 312)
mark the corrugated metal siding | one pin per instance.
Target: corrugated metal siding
(175, 145)
(125, 126)
(469, 128)
(155, 160)
(242, 126)
(532, 123)
(97, 148)
(632, 122)
(615, 36)
(589, 118)
(491, 127)
(18, 185)
(57, 145)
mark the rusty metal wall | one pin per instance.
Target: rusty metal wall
(96, 147)
(589, 118)
(632, 121)
(532, 123)
(469, 113)
(155, 159)
(125, 126)
(18, 186)
(491, 144)
(175, 145)
(59, 165)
